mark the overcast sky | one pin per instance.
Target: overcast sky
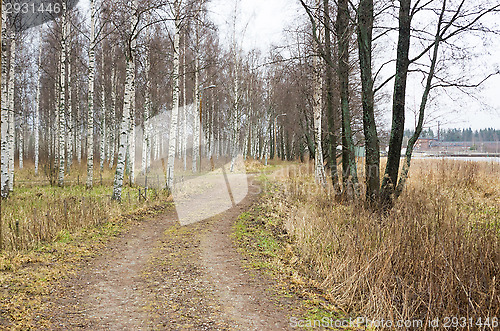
(261, 23)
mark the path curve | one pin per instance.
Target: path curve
(163, 276)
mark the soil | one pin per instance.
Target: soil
(159, 275)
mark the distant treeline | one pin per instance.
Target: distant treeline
(489, 134)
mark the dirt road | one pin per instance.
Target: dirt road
(160, 275)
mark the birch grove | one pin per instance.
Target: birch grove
(60, 126)
(59, 106)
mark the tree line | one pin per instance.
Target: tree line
(454, 134)
(124, 88)
(140, 82)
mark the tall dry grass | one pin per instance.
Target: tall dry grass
(37, 213)
(435, 255)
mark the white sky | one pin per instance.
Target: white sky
(260, 24)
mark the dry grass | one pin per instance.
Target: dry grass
(436, 254)
(38, 214)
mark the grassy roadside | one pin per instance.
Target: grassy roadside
(266, 247)
(27, 277)
(434, 255)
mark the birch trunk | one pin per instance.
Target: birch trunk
(36, 123)
(185, 109)
(103, 118)
(112, 137)
(21, 145)
(79, 130)
(131, 144)
(146, 144)
(11, 136)
(70, 125)
(196, 116)
(124, 134)
(90, 114)
(319, 170)
(127, 104)
(62, 99)
(4, 113)
(175, 110)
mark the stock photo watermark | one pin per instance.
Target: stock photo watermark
(445, 322)
(25, 14)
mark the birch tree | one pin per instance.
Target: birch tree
(103, 117)
(175, 111)
(127, 104)
(70, 127)
(90, 112)
(184, 108)
(4, 112)
(11, 103)
(21, 143)
(146, 144)
(62, 97)
(36, 124)
(79, 130)
(112, 133)
(196, 109)
(131, 141)
(319, 169)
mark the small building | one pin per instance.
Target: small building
(425, 143)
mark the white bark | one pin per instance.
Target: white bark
(125, 125)
(36, 123)
(79, 130)
(70, 125)
(21, 145)
(146, 144)
(196, 115)
(112, 138)
(4, 113)
(62, 98)
(131, 144)
(175, 110)
(124, 134)
(184, 108)
(319, 169)
(103, 117)
(90, 114)
(11, 136)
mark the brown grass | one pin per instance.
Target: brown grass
(436, 254)
(37, 213)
